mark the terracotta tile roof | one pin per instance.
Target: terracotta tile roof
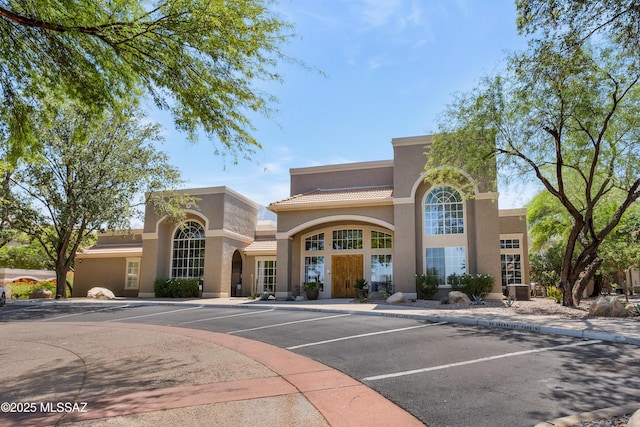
(337, 196)
(262, 246)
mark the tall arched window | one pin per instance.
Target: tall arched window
(188, 251)
(443, 212)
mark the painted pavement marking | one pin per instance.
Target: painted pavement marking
(224, 317)
(84, 312)
(362, 336)
(155, 314)
(288, 323)
(483, 359)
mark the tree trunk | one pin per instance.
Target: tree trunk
(582, 283)
(567, 295)
(61, 281)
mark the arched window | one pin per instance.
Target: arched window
(188, 251)
(443, 212)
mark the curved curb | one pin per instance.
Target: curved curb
(338, 398)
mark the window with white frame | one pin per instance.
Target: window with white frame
(347, 239)
(188, 251)
(509, 243)
(381, 272)
(380, 240)
(443, 212)
(133, 273)
(511, 267)
(511, 253)
(314, 243)
(443, 262)
(266, 275)
(314, 269)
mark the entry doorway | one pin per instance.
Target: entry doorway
(236, 275)
(345, 270)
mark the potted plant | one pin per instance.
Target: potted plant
(312, 289)
(362, 288)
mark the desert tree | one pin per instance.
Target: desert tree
(568, 119)
(90, 174)
(202, 60)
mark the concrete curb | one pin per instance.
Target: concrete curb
(462, 320)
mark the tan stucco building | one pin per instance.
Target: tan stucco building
(374, 220)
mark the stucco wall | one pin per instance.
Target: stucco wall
(366, 174)
(289, 220)
(103, 272)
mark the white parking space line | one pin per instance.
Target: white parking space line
(155, 314)
(483, 359)
(370, 334)
(227, 316)
(84, 312)
(288, 323)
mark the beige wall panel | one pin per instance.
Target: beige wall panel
(283, 260)
(119, 238)
(360, 176)
(487, 232)
(291, 219)
(239, 217)
(405, 257)
(410, 160)
(148, 266)
(107, 273)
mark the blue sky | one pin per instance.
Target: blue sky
(390, 68)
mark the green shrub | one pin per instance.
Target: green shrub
(426, 285)
(554, 293)
(23, 288)
(176, 288)
(473, 285)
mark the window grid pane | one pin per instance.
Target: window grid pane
(381, 272)
(380, 240)
(511, 269)
(314, 243)
(347, 239)
(443, 212)
(510, 244)
(133, 274)
(267, 276)
(314, 269)
(188, 251)
(443, 262)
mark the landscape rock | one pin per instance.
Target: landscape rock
(396, 298)
(41, 293)
(608, 307)
(634, 421)
(631, 308)
(100, 293)
(457, 297)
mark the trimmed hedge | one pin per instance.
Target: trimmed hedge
(176, 288)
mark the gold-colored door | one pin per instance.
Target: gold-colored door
(345, 269)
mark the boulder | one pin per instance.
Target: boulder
(608, 307)
(41, 293)
(100, 293)
(396, 298)
(631, 308)
(457, 297)
(634, 421)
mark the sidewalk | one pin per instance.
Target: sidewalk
(128, 374)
